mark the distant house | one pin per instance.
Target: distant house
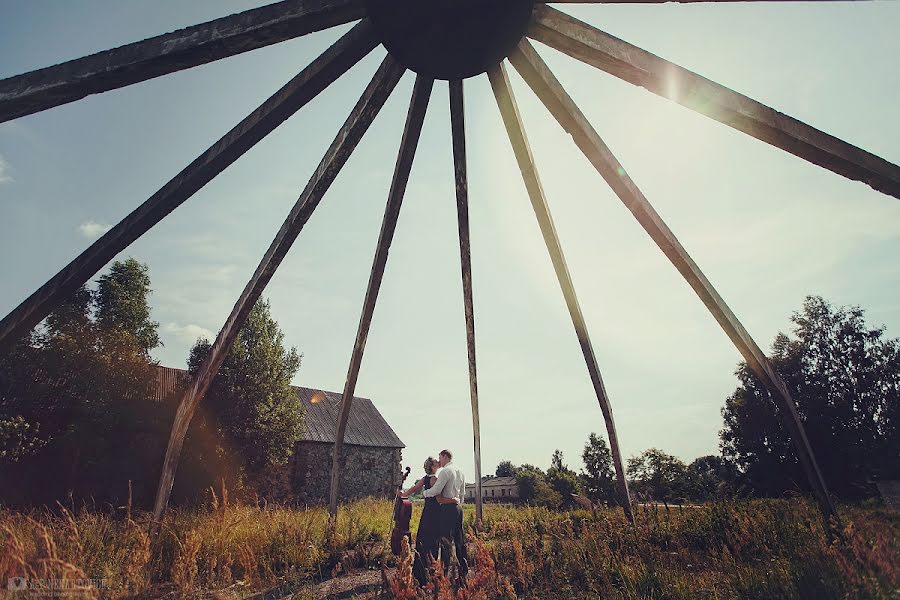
(495, 489)
(370, 460)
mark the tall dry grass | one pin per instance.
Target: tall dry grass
(747, 549)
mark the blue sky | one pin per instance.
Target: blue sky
(766, 227)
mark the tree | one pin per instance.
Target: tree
(710, 477)
(845, 379)
(660, 475)
(122, 302)
(561, 478)
(534, 489)
(76, 399)
(505, 469)
(598, 476)
(254, 417)
(556, 461)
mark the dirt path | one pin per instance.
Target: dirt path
(362, 585)
(359, 585)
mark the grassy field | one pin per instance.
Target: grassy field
(749, 549)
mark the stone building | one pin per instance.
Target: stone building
(370, 460)
(495, 489)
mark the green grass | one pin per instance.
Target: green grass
(738, 549)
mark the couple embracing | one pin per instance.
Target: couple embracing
(441, 524)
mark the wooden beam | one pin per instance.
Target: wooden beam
(563, 108)
(516, 132)
(73, 80)
(639, 67)
(414, 119)
(325, 69)
(683, 1)
(458, 133)
(361, 117)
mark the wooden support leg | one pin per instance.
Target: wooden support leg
(639, 67)
(361, 117)
(514, 128)
(325, 69)
(414, 120)
(189, 47)
(458, 130)
(570, 117)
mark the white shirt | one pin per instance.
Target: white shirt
(450, 483)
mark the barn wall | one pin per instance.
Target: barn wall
(306, 478)
(365, 471)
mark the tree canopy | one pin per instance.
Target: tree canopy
(598, 476)
(253, 417)
(845, 379)
(122, 302)
(505, 469)
(75, 397)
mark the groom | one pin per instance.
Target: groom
(449, 489)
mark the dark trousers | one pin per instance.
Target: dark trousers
(452, 532)
(426, 554)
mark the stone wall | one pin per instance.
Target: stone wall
(306, 479)
(365, 471)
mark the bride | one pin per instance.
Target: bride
(428, 534)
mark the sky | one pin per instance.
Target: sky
(766, 227)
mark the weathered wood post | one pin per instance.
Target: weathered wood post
(516, 132)
(361, 117)
(414, 119)
(570, 117)
(458, 133)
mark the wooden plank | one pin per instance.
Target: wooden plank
(361, 117)
(458, 135)
(516, 132)
(684, 1)
(414, 119)
(563, 108)
(189, 47)
(639, 67)
(325, 69)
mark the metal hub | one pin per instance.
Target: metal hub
(450, 39)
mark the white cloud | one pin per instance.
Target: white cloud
(188, 333)
(92, 229)
(5, 176)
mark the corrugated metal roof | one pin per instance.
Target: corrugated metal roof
(491, 481)
(365, 426)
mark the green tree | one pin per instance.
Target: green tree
(598, 476)
(505, 469)
(123, 304)
(657, 474)
(845, 379)
(254, 417)
(76, 402)
(561, 478)
(710, 477)
(534, 489)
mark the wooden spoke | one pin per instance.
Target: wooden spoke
(639, 67)
(334, 62)
(414, 119)
(458, 133)
(516, 132)
(683, 1)
(73, 80)
(361, 117)
(563, 108)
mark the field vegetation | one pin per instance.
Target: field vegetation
(729, 549)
